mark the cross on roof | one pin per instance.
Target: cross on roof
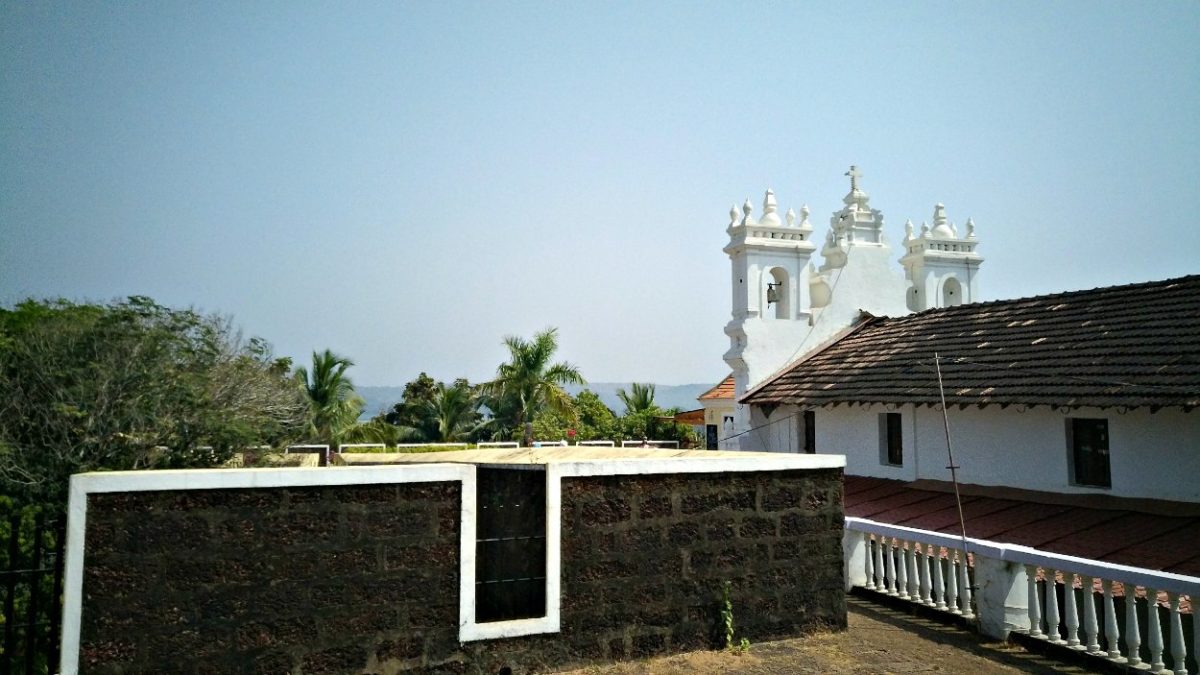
(854, 174)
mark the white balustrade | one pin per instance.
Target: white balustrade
(939, 570)
(1154, 640)
(1052, 619)
(1111, 634)
(1072, 614)
(926, 582)
(870, 563)
(939, 584)
(880, 572)
(891, 566)
(965, 585)
(952, 582)
(1090, 625)
(1035, 605)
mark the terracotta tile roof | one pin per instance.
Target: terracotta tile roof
(1120, 532)
(1121, 346)
(724, 390)
(690, 416)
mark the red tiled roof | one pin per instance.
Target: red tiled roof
(1121, 346)
(724, 390)
(1154, 535)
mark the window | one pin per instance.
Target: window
(891, 439)
(1088, 442)
(810, 432)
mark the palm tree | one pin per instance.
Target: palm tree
(451, 412)
(528, 382)
(639, 400)
(335, 406)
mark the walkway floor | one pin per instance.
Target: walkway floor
(879, 640)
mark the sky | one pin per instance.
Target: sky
(407, 183)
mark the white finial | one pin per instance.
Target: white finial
(970, 228)
(791, 217)
(733, 214)
(954, 229)
(941, 227)
(770, 217)
(924, 230)
(747, 209)
(804, 224)
(908, 230)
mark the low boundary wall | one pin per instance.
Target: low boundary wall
(372, 569)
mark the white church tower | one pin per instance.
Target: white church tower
(942, 267)
(770, 264)
(784, 306)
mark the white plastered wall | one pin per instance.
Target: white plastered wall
(1152, 455)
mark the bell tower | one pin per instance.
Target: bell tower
(769, 260)
(942, 268)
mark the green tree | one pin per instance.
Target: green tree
(451, 413)
(409, 411)
(640, 399)
(130, 385)
(528, 383)
(334, 405)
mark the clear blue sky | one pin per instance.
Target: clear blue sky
(406, 183)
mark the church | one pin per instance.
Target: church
(1089, 392)
(784, 305)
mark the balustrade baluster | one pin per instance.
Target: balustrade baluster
(1035, 606)
(939, 585)
(868, 566)
(952, 581)
(1111, 635)
(901, 571)
(1052, 618)
(880, 570)
(926, 581)
(914, 574)
(891, 567)
(1070, 610)
(1154, 638)
(1133, 636)
(965, 586)
(1178, 649)
(1090, 625)
(1192, 598)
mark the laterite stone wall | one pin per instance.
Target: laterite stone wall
(364, 579)
(645, 558)
(289, 580)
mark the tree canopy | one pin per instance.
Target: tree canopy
(528, 383)
(639, 399)
(130, 385)
(334, 405)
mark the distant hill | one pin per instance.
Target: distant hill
(682, 396)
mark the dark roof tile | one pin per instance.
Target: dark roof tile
(1121, 346)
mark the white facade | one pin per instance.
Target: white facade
(784, 306)
(1151, 455)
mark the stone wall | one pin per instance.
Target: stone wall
(364, 579)
(311, 580)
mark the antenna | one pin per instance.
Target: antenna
(962, 523)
